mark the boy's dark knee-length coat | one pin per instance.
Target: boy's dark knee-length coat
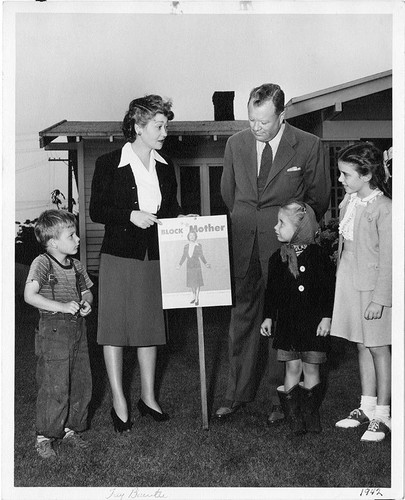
(298, 304)
(114, 196)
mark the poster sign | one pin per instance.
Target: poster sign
(194, 262)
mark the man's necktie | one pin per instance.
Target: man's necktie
(265, 166)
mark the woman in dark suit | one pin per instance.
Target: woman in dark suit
(132, 189)
(193, 253)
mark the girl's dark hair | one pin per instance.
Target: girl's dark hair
(268, 92)
(141, 111)
(367, 159)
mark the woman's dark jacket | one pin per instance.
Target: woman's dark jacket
(114, 196)
(297, 305)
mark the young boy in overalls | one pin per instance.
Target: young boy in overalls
(59, 287)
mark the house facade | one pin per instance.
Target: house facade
(341, 115)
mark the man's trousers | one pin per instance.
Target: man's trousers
(245, 339)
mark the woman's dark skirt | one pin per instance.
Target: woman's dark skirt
(130, 303)
(194, 277)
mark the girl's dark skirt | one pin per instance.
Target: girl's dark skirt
(130, 303)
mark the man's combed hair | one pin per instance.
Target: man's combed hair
(268, 92)
(50, 223)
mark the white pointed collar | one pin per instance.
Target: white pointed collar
(128, 156)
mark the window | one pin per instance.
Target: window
(217, 205)
(337, 192)
(190, 193)
(200, 186)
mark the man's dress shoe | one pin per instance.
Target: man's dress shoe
(228, 409)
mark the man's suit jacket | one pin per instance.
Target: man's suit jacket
(114, 196)
(298, 172)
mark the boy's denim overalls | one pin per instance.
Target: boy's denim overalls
(63, 373)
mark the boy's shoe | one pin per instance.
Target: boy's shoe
(75, 440)
(45, 449)
(377, 430)
(356, 417)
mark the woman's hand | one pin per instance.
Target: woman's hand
(143, 219)
(373, 311)
(265, 328)
(323, 329)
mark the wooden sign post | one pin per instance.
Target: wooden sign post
(201, 356)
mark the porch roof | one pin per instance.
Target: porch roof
(335, 96)
(112, 129)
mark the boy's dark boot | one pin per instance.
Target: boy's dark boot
(311, 400)
(290, 402)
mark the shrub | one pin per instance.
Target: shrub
(328, 238)
(26, 244)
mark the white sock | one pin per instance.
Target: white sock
(382, 412)
(68, 432)
(368, 404)
(41, 438)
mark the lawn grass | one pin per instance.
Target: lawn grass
(243, 452)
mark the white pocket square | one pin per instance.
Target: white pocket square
(293, 169)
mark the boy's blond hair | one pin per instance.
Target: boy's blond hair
(50, 223)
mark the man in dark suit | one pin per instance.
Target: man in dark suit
(264, 166)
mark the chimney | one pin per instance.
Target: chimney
(223, 106)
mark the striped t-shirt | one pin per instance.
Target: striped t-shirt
(65, 284)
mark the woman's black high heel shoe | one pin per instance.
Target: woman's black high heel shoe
(144, 409)
(119, 425)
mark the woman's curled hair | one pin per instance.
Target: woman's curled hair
(141, 111)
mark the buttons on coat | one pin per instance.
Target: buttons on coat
(301, 288)
(135, 202)
(302, 269)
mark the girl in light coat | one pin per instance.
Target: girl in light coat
(363, 298)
